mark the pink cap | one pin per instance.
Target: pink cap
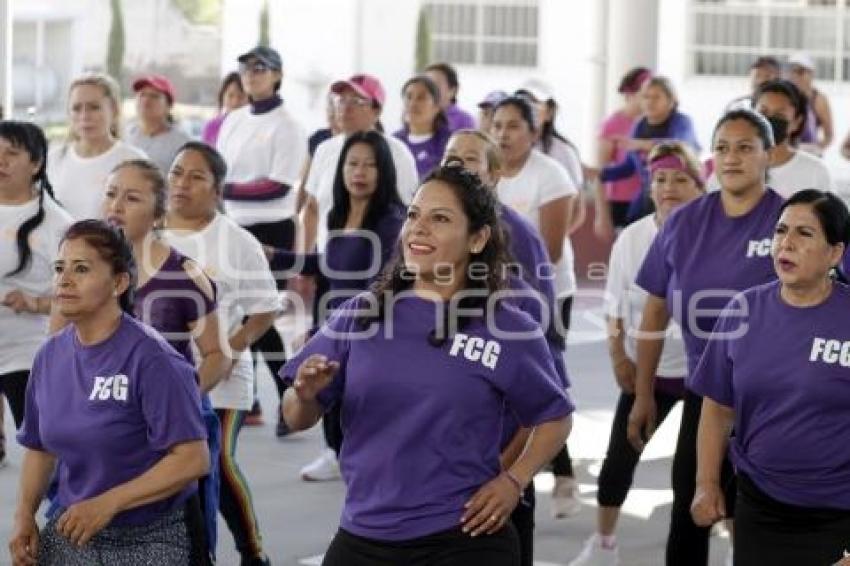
(365, 85)
(156, 82)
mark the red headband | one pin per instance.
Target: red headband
(672, 162)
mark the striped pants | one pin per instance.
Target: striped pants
(236, 504)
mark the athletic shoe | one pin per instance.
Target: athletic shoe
(323, 468)
(594, 555)
(565, 501)
(256, 561)
(255, 415)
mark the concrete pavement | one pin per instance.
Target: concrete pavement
(298, 519)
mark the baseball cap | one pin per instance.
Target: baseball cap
(364, 85)
(156, 82)
(537, 89)
(493, 98)
(802, 60)
(265, 54)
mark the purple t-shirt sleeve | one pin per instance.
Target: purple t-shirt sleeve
(170, 402)
(531, 389)
(655, 271)
(712, 377)
(332, 342)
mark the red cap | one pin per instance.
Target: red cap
(366, 86)
(156, 82)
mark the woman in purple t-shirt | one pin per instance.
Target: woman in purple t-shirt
(776, 371)
(231, 96)
(363, 224)
(707, 251)
(424, 391)
(425, 131)
(118, 410)
(175, 297)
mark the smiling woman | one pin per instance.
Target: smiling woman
(444, 492)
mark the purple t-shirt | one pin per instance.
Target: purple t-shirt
(459, 119)
(423, 422)
(209, 134)
(701, 258)
(528, 249)
(785, 371)
(170, 301)
(109, 412)
(428, 153)
(533, 303)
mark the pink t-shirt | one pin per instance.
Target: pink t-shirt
(619, 124)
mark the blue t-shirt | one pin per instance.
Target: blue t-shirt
(785, 371)
(701, 258)
(423, 420)
(111, 411)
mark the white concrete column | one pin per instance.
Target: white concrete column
(632, 40)
(6, 99)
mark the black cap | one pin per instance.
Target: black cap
(265, 54)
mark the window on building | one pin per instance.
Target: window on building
(484, 32)
(727, 35)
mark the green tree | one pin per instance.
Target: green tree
(115, 49)
(264, 25)
(422, 55)
(206, 12)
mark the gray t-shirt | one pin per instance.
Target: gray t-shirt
(161, 148)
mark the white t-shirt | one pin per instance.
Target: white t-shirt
(320, 181)
(79, 182)
(540, 181)
(568, 157)
(235, 261)
(802, 171)
(271, 145)
(625, 299)
(22, 334)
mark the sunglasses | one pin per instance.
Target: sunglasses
(256, 67)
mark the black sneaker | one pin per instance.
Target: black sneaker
(256, 561)
(282, 429)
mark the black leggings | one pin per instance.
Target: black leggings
(768, 531)
(14, 386)
(523, 521)
(448, 548)
(687, 543)
(281, 235)
(562, 464)
(621, 459)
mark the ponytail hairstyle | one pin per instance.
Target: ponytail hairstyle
(113, 248)
(30, 138)
(481, 208)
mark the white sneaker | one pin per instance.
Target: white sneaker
(594, 555)
(323, 468)
(565, 501)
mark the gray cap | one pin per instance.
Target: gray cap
(265, 54)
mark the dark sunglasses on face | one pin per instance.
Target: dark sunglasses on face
(254, 67)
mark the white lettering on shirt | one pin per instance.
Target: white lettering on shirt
(759, 248)
(830, 351)
(475, 349)
(106, 388)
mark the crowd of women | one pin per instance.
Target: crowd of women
(144, 272)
